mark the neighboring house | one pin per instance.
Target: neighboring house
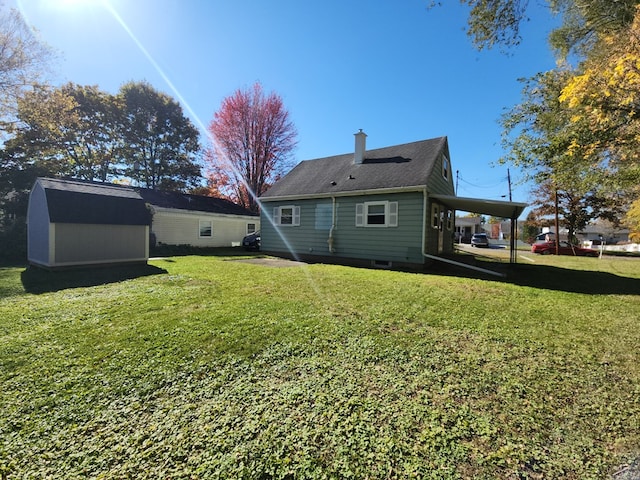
(594, 233)
(466, 227)
(605, 231)
(196, 220)
(391, 207)
(75, 222)
(71, 223)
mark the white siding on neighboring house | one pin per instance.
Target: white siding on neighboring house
(199, 229)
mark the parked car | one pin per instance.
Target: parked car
(251, 241)
(565, 248)
(479, 240)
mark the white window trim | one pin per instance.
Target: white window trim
(435, 216)
(390, 214)
(295, 212)
(251, 230)
(202, 223)
(446, 167)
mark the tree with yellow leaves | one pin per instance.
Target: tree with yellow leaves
(632, 220)
(606, 97)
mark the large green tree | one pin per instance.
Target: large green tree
(160, 142)
(139, 135)
(83, 132)
(71, 130)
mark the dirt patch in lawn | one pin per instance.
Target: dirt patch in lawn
(271, 262)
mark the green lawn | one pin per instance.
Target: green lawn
(208, 367)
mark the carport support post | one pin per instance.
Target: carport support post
(512, 240)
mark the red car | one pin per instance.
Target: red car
(546, 248)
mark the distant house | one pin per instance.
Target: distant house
(466, 227)
(594, 233)
(197, 220)
(74, 222)
(391, 207)
(604, 231)
(71, 223)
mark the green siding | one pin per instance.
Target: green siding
(437, 183)
(395, 244)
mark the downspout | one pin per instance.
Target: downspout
(333, 225)
(441, 259)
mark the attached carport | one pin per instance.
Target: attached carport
(495, 208)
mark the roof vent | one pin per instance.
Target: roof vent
(361, 141)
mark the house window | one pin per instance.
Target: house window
(206, 228)
(251, 228)
(449, 220)
(324, 216)
(435, 215)
(287, 215)
(445, 167)
(377, 214)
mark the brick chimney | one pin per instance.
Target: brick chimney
(361, 141)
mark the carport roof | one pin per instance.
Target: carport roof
(495, 208)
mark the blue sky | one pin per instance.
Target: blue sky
(395, 69)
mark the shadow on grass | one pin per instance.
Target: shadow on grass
(576, 281)
(547, 277)
(37, 280)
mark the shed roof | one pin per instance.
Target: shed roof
(75, 201)
(396, 167)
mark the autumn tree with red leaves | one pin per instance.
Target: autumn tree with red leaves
(253, 139)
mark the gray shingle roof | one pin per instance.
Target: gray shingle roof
(75, 201)
(399, 166)
(184, 201)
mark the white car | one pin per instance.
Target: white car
(480, 240)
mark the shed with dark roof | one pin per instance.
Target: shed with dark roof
(76, 222)
(72, 223)
(389, 207)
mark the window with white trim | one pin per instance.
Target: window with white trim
(445, 167)
(287, 215)
(205, 228)
(251, 228)
(377, 214)
(435, 215)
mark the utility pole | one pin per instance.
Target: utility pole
(509, 181)
(457, 174)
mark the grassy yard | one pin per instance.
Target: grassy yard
(210, 367)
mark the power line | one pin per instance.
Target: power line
(501, 182)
